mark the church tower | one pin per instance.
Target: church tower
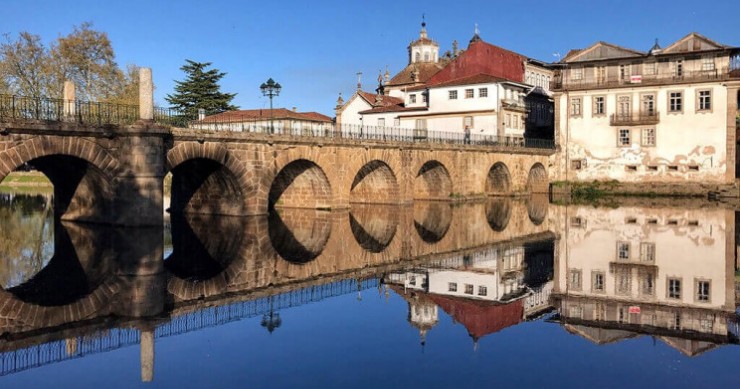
(423, 49)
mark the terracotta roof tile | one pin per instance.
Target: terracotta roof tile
(385, 100)
(426, 71)
(480, 78)
(393, 108)
(264, 114)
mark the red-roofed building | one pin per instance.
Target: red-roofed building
(489, 90)
(281, 119)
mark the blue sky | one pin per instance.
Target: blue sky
(314, 48)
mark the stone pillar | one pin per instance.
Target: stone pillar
(146, 94)
(731, 136)
(147, 355)
(69, 108)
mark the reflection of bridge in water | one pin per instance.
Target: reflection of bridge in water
(226, 269)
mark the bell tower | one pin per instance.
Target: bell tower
(423, 49)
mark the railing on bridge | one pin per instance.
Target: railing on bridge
(59, 350)
(14, 108)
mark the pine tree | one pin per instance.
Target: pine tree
(200, 89)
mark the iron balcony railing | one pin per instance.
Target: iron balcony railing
(636, 119)
(636, 80)
(13, 108)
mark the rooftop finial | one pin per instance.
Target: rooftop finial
(423, 33)
(476, 35)
(476, 31)
(656, 48)
(359, 80)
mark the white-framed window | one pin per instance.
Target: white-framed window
(675, 101)
(381, 122)
(575, 279)
(397, 122)
(601, 74)
(577, 74)
(575, 106)
(624, 72)
(647, 252)
(707, 63)
(426, 57)
(647, 284)
(703, 291)
(452, 286)
(648, 104)
(674, 288)
(597, 281)
(421, 124)
(482, 290)
(649, 68)
(468, 121)
(469, 93)
(599, 105)
(482, 92)
(507, 120)
(678, 68)
(469, 288)
(623, 250)
(452, 95)
(424, 97)
(624, 106)
(412, 98)
(647, 137)
(624, 137)
(704, 100)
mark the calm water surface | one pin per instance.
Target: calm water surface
(513, 293)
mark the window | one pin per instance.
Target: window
(452, 287)
(381, 122)
(423, 97)
(468, 121)
(412, 280)
(648, 137)
(577, 164)
(624, 72)
(703, 291)
(647, 252)
(469, 93)
(482, 92)
(624, 282)
(624, 138)
(704, 100)
(412, 98)
(678, 68)
(426, 57)
(675, 101)
(575, 279)
(599, 106)
(647, 284)
(417, 57)
(648, 105)
(421, 124)
(468, 289)
(623, 250)
(507, 122)
(482, 291)
(601, 74)
(623, 106)
(649, 69)
(575, 106)
(674, 288)
(597, 281)
(707, 63)
(515, 124)
(453, 95)
(577, 74)
(397, 122)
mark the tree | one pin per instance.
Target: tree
(25, 66)
(128, 92)
(86, 57)
(200, 89)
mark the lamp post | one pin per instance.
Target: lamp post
(270, 89)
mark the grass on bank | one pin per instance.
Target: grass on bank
(26, 182)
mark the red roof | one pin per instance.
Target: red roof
(479, 317)
(485, 58)
(480, 78)
(425, 71)
(250, 115)
(385, 101)
(394, 108)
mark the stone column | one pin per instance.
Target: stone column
(146, 94)
(69, 108)
(731, 136)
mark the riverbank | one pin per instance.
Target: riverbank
(600, 189)
(23, 182)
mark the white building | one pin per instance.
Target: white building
(666, 115)
(261, 120)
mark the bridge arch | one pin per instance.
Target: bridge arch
(374, 228)
(375, 182)
(301, 184)
(208, 179)
(537, 181)
(81, 171)
(299, 235)
(432, 220)
(432, 182)
(498, 180)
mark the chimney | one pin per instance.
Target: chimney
(201, 113)
(295, 109)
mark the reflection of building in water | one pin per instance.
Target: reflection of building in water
(484, 291)
(659, 271)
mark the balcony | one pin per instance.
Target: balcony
(560, 84)
(636, 119)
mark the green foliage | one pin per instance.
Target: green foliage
(200, 89)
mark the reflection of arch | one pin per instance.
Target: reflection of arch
(537, 208)
(432, 182)
(299, 236)
(498, 213)
(432, 220)
(301, 184)
(373, 227)
(206, 178)
(498, 181)
(376, 183)
(539, 259)
(537, 179)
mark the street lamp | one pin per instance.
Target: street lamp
(270, 89)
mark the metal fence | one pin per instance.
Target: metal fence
(13, 108)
